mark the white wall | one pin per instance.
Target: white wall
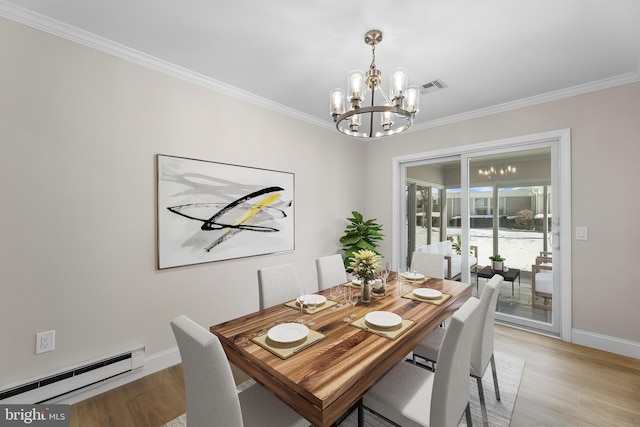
(605, 133)
(79, 131)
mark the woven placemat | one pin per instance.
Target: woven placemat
(285, 351)
(436, 301)
(392, 333)
(294, 304)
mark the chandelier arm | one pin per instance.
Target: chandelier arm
(384, 95)
(373, 97)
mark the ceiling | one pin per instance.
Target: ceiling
(288, 54)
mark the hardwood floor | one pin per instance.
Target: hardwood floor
(570, 385)
(562, 385)
(150, 401)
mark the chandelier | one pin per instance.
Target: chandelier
(365, 119)
(497, 173)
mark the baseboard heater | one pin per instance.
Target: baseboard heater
(74, 378)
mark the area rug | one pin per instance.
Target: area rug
(509, 369)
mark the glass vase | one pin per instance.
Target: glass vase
(366, 290)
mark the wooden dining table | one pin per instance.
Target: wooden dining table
(325, 380)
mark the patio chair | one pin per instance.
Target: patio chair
(542, 283)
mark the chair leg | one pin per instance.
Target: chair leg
(483, 406)
(495, 377)
(468, 415)
(424, 365)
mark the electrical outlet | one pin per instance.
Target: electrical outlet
(45, 341)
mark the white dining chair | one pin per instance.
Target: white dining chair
(429, 264)
(482, 345)
(331, 271)
(411, 396)
(212, 398)
(277, 285)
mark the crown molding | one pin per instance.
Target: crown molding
(57, 28)
(535, 100)
(46, 24)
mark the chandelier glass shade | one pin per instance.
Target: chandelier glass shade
(394, 112)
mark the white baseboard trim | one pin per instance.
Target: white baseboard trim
(170, 357)
(153, 363)
(606, 343)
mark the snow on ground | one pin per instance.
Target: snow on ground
(519, 247)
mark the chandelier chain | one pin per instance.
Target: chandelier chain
(373, 57)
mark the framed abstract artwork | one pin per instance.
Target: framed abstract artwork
(208, 211)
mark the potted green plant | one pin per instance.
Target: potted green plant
(360, 234)
(497, 262)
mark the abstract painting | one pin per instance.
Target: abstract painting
(209, 211)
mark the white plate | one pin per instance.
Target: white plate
(413, 276)
(319, 299)
(288, 332)
(427, 293)
(384, 319)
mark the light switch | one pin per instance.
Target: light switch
(582, 233)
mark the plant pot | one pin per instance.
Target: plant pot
(497, 265)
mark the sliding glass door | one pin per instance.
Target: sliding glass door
(428, 214)
(510, 217)
(499, 201)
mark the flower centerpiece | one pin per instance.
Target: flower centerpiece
(364, 264)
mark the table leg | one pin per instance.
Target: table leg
(360, 413)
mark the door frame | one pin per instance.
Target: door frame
(560, 143)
